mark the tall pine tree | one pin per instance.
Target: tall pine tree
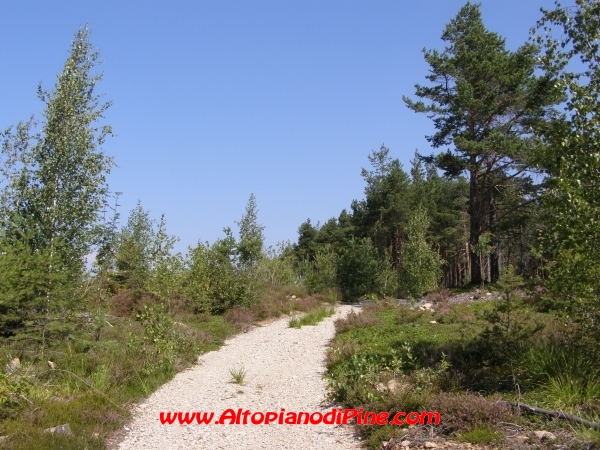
(485, 101)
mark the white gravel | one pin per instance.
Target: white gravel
(285, 368)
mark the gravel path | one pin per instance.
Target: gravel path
(285, 368)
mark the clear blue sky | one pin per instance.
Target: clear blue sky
(215, 100)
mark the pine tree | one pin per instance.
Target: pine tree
(486, 101)
(383, 213)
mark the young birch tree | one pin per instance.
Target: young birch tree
(55, 180)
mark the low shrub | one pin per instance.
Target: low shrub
(338, 352)
(240, 317)
(406, 314)
(355, 320)
(304, 304)
(463, 412)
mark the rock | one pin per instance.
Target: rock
(13, 365)
(521, 438)
(541, 435)
(51, 365)
(488, 294)
(380, 387)
(393, 386)
(427, 305)
(60, 429)
(405, 443)
(430, 444)
(293, 297)
(432, 321)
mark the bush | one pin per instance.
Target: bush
(354, 320)
(213, 283)
(240, 317)
(421, 266)
(465, 412)
(277, 266)
(304, 304)
(14, 387)
(320, 274)
(358, 269)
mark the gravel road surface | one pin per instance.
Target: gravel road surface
(285, 368)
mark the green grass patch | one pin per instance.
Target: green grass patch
(481, 435)
(237, 375)
(313, 317)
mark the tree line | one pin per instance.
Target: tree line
(516, 184)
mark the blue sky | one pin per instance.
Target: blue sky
(215, 100)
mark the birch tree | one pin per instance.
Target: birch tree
(54, 184)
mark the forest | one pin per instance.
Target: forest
(507, 201)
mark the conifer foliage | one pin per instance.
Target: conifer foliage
(486, 101)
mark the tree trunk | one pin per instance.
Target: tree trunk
(494, 261)
(474, 229)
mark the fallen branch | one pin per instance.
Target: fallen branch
(558, 414)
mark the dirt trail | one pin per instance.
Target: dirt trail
(285, 368)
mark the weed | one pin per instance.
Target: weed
(101, 378)
(295, 322)
(237, 375)
(565, 392)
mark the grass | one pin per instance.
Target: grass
(237, 375)
(481, 435)
(311, 318)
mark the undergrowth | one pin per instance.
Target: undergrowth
(461, 360)
(89, 374)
